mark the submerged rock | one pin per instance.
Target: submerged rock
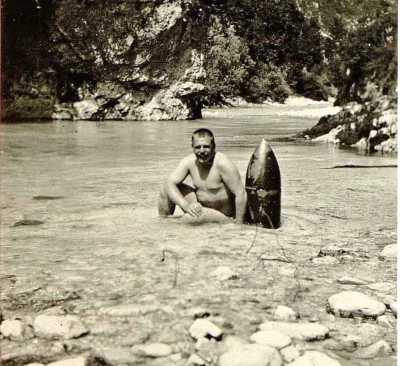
(299, 331)
(352, 303)
(251, 355)
(224, 273)
(315, 358)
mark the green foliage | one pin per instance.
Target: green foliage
(227, 62)
(265, 82)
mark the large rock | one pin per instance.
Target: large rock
(271, 338)
(352, 303)
(315, 358)
(59, 327)
(251, 355)
(299, 331)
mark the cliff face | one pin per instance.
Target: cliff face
(136, 60)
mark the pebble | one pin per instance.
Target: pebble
(251, 355)
(390, 251)
(152, 350)
(224, 273)
(271, 338)
(314, 358)
(204, 328)
(352, 281)
(78, 361)
(299, 331)
(195, 360)
(59, 327)
(352, 303)
(285, 314)
(289, 354)
(378, 349)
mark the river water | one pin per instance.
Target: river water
(94, 185)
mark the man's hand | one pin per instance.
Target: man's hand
(194, 209)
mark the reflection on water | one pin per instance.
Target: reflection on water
(104, 233)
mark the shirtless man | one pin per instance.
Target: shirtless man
(217, 182)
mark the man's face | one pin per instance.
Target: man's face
(203, 148)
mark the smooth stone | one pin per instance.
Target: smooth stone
(204, 328)
(285, 314)
(116, 355)
(352, 281)
(289, 354)
(352, 303)
(314, 358)
(271, 338)
(78, 361)
(59, 327)
(224, 273)
(378, 349)
(195, 360)
(152, 350)
(389, 251)
(299, 331)
(251, 355)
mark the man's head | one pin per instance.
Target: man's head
(203, 144)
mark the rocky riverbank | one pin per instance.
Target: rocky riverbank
(52, 326)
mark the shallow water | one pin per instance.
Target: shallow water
(95, 187)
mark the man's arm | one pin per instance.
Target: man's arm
(171, 188)
(231, 177)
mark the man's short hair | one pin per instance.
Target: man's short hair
(204, 132)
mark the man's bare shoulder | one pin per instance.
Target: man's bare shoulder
(189, 160)
(221, 159)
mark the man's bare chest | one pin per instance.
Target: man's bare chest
(206, 179)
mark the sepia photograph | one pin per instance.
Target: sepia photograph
(198, 183)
